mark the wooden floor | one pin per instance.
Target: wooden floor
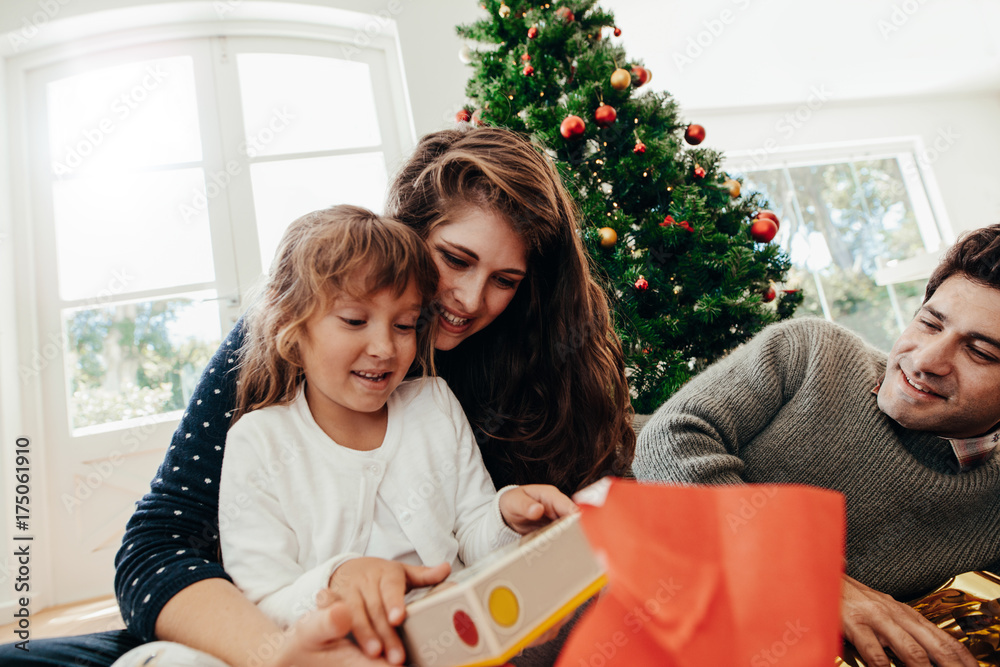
(97, 615)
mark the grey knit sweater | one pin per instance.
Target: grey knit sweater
(795, 405)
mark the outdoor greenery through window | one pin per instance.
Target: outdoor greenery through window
(841, 223)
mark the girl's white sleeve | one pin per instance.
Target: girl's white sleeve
(259, 547)
(479, 525)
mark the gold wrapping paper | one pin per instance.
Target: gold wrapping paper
(967, 607)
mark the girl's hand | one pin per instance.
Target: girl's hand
(529, 507)
(373, 589)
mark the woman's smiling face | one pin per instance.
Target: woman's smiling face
(482, 261)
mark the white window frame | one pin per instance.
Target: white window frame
(21, 405)
(921, 185)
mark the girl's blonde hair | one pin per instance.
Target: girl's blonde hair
(322, 255)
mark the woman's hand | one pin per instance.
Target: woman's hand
(373, 590)
(318, 639)
(529, 507)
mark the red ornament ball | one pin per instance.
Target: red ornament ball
(477, 118)
(695, 134)
(565, 13)
(572, 127)
(770, 215)
(528, 70)
(605, 115)
(463, 116)
(639, 147)
(763, 230)
(769, 294)
(525, 57)
(642, 284)
(532, 32)
(618, 31)
(642, 74)
(699, 171)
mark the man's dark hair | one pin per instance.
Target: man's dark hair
(975, 255)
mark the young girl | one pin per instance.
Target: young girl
(335, 460)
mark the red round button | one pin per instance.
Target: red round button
(465, 628)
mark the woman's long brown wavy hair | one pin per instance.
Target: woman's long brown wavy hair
(323, 255)
(544, 384)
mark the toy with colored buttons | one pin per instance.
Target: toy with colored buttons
(485, 614)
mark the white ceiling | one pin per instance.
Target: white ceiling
(773, 52)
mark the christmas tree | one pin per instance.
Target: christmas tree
(686, 258)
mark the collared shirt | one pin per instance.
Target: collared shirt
(970, 452)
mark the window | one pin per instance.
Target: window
(169, 174)
(849, 224)
(159, 153)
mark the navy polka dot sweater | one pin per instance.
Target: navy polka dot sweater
(172, 539)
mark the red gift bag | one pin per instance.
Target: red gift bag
(707, 576)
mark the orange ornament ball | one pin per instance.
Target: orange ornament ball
(621, 79)
(609, 237)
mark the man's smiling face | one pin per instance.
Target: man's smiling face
(943, 374)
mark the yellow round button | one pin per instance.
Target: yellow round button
(503, 606)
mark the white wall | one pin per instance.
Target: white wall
(426, 28)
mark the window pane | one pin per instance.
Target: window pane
(125, 233)
(856, 216)
(285, 190)
(141, 114)
(137, 359)
(300, 104)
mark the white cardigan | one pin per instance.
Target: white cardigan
(294, 505)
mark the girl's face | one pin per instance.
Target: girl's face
(356, 352)
(482, 261)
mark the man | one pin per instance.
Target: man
(909, 439)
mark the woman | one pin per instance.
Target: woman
(525, 342)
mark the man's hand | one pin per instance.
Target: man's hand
(373, 589)
(529, 507)
(872, 620)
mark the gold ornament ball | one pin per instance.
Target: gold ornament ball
(621, 79)
(608, 237)
(733, 186)
(504, 11)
